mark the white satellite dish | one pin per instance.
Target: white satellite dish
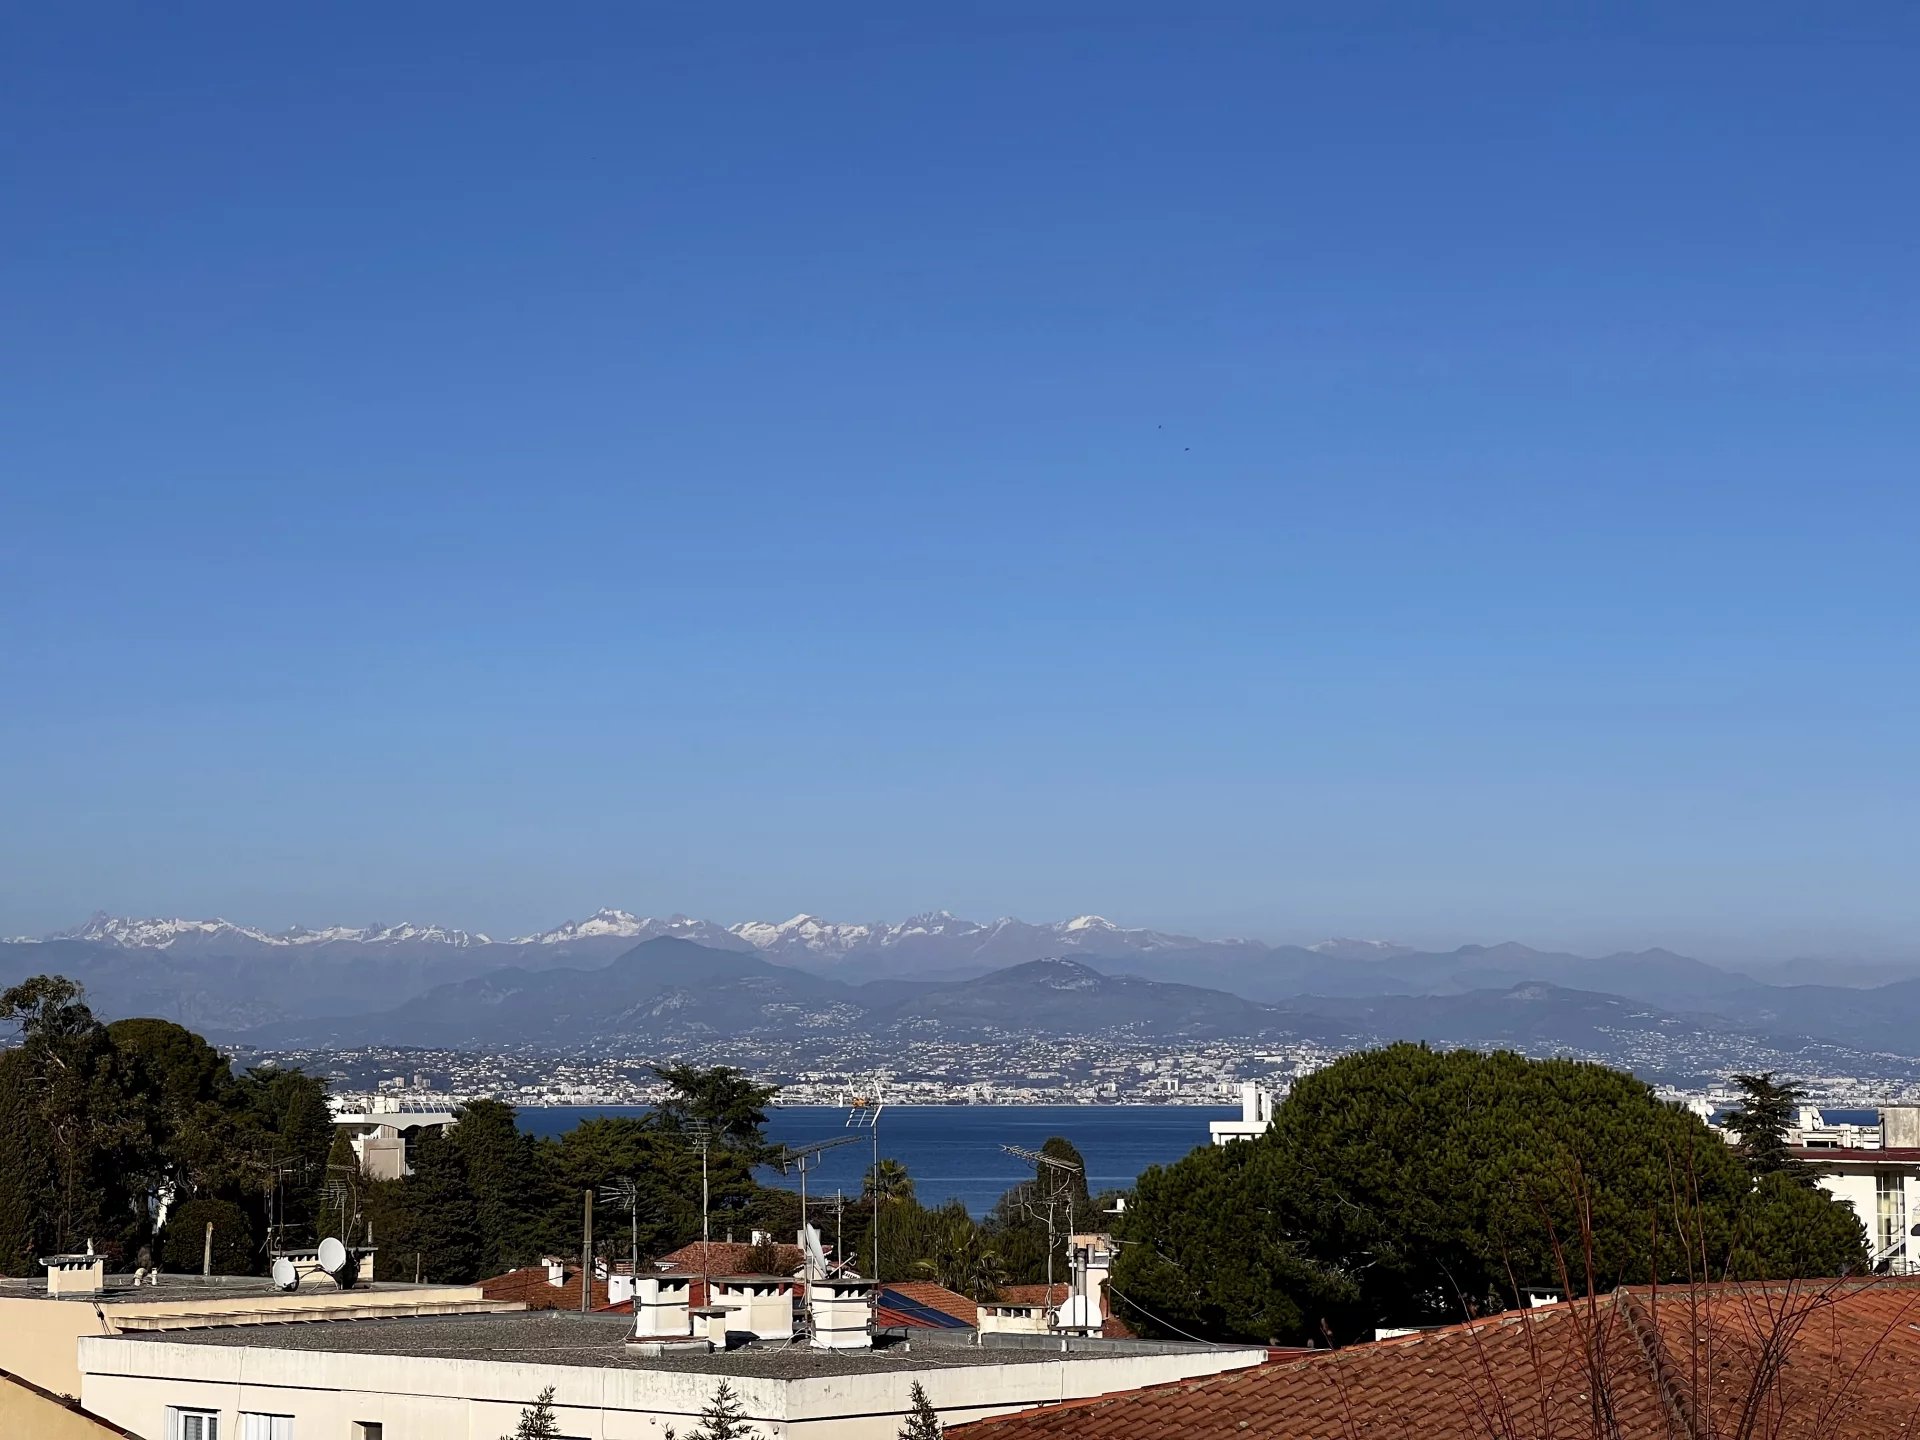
(285, 1277)
(333, 1256)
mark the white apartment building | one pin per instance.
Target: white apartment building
(467, 1377)
(1256, 1114)
(382, 1135)
(1875, 1169)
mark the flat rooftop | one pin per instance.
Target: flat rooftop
(558, 1337)
(173, 1289)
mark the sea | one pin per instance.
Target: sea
(953, 1151)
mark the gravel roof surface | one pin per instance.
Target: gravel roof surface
(552, 1337)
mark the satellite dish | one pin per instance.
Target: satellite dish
(285, 1277)
(333, 1256)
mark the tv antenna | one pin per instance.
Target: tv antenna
(623, 1193)
(341, 1195)
(700, 1139)
(1058, 1175)
(863, 1113)
(799, 1159)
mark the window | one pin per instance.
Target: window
(254, 1426)
(192, 1424)
(368, 1430)
(1890, 1211)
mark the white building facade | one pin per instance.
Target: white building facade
(288, 1385)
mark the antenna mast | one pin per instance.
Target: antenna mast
(701, 1134)
(1060, 1173)
(863, 1113)
(799, 1160)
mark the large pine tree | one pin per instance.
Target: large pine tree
(1406, 1186)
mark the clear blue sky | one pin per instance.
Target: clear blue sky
(1436, 471)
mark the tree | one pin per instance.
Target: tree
(1018, 1222)
(433, 1217)
(923, 1421)
(723, 1418)
(762, 1258)
(537, 1423)
(725, 1099)
(1767, 1110)
(1405, 1185)
(183, 1244)
(962, 1257)
(888, 1182)
(86, 1137)
(508, 1183)
(27, 1171)
(340, 1211)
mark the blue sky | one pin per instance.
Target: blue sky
(1441, 472)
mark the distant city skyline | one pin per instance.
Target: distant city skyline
(1437, 472)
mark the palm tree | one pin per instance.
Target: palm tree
(888, 1182)
(963, 1261)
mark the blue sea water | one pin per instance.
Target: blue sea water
(953, 1151)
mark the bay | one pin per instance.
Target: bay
(953, 1151)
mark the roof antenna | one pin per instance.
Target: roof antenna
(1059, 1175)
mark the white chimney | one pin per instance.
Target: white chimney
(556, 1272)
(762, 1304)
(713, 1322)
(660, 1308)
(842, 1314)
(76, 1274)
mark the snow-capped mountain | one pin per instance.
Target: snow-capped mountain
(164, 934)
(156, 933)
(806, 932)
(625, 925)
(1342, 948)
(942, 942)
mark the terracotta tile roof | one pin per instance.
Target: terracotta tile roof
(1031, 1294)
(1634, 1365)
(725, 1257)
(530, 1287)
(934, 1297)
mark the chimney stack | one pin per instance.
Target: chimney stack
(660, 1307)
(842, 1314)
(75, 1274)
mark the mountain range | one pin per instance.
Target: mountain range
(667, 995)
(617, 974)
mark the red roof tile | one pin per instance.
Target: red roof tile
(1678, 1364)
(529, 1285)
(1031, 1294)
(725, 1257)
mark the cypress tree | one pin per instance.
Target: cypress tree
(923, 1421)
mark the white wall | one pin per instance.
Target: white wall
(133, 1383)
(1857, 1189)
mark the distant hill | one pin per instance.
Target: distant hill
(668, 993)
(934, 973)
(663, 987)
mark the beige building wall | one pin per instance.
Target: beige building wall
(134, 1382)
(38, 1337)
(30, 1413)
